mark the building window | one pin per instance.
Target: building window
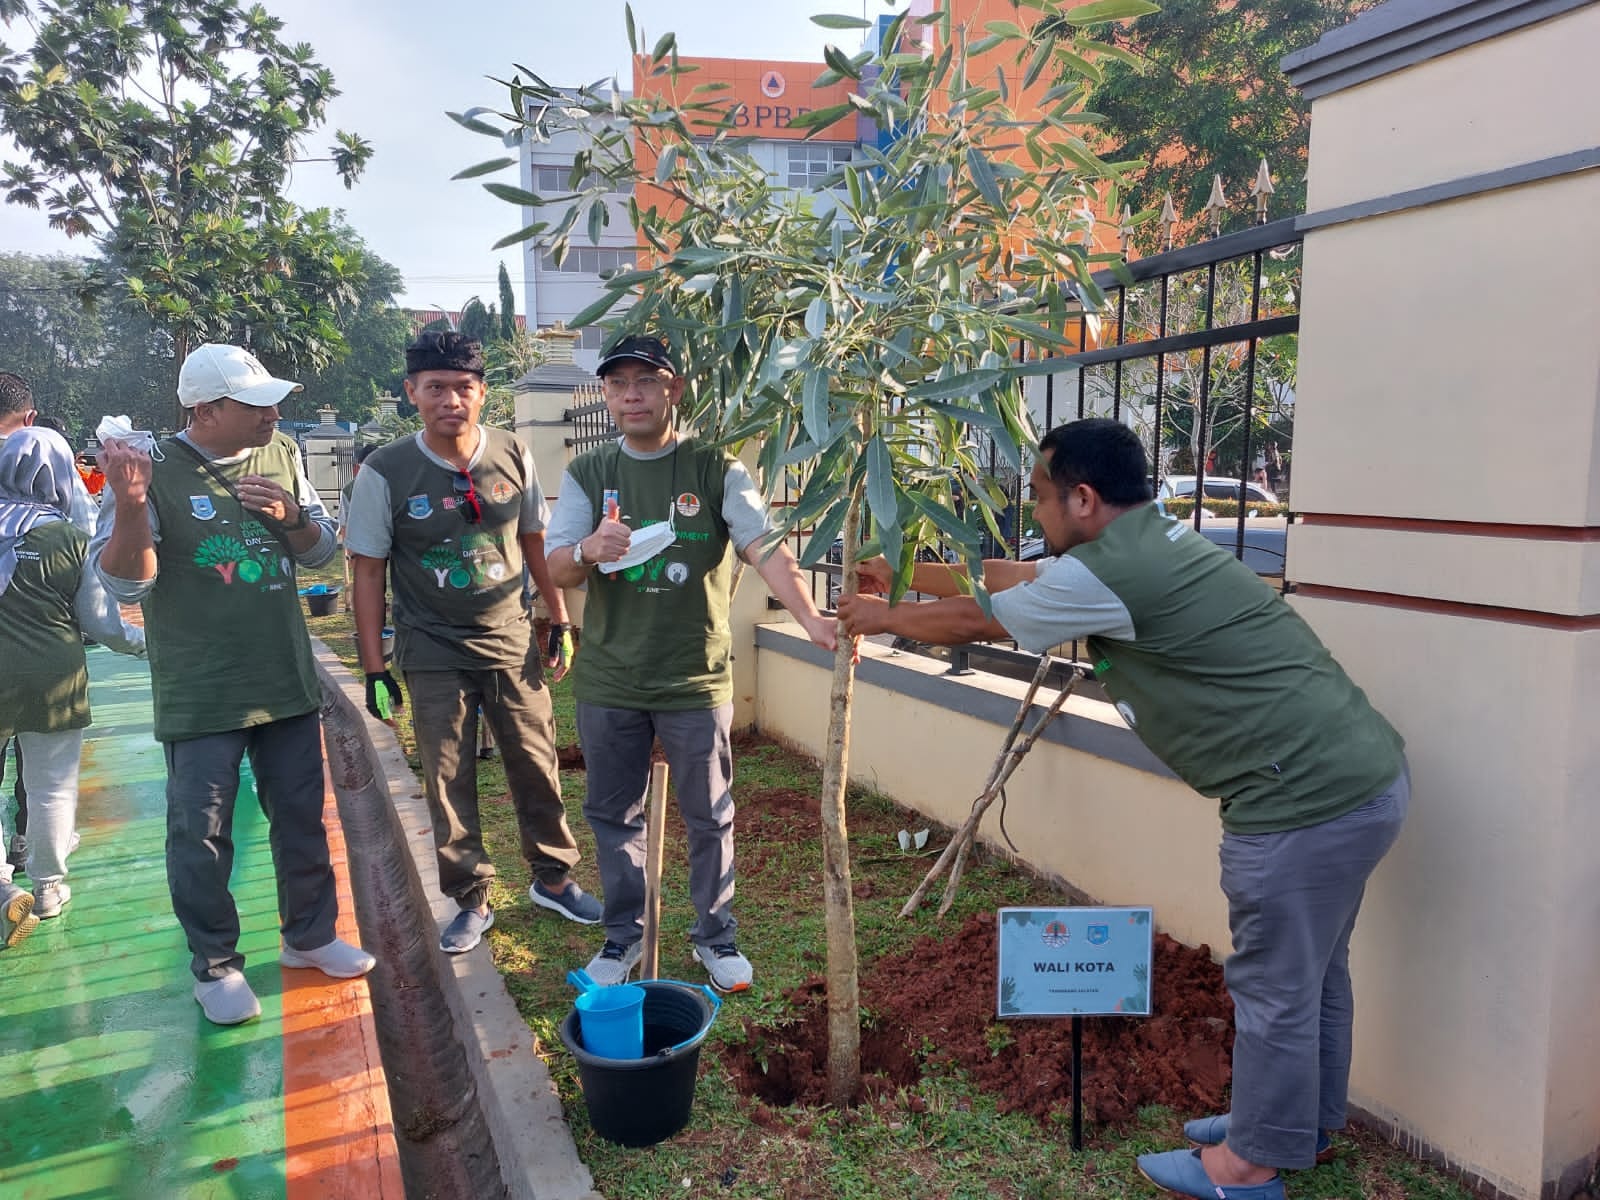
(589, 260)
(810, 165)
(552, 180)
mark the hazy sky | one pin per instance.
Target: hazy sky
(401, 64)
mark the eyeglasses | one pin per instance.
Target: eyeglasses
(618, 386)
(470, 506)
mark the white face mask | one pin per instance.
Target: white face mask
(643, 545)
(122, 429)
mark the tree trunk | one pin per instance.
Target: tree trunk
(844, 987)
(180, 351)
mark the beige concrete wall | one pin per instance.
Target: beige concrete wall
(1531, 94)
(1120, 835)
(1452, 409)
(1448, 429)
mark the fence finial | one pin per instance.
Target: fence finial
(1169, 221)
(1125, 230)
(1262, 190)
(1216, 205)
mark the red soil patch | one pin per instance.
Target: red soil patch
(941, 995)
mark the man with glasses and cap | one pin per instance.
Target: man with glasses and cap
(658, 513)
(204, 529)
(451, 514)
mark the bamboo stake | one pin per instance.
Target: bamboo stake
(655, 849)
(954, 857)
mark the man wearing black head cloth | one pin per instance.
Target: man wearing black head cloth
(451, 514)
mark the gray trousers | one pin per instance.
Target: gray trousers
(202, 785)
(444, 713)
(1292, 904)
(50, 770)
(616, 750)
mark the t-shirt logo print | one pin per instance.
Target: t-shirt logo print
(232, 558)
(500, 491)
(447, 567)
(202, 508)
(688, 504)
(419, 507)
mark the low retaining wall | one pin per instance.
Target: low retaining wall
(504, 1104)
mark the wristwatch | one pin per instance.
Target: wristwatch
(577, 554)
(301, 522)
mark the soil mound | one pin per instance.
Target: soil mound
(934, 1006)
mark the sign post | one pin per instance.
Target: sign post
(1077, 962)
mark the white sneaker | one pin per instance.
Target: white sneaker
(614, 963)
(730, 971)
(337, 959)
(227, 1001)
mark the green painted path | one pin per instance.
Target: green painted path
(116, 1084)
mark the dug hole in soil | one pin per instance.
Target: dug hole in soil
(933, 1007)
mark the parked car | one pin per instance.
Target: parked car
(1265, 542)
(1181, 487)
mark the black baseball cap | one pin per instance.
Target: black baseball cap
(641, 348)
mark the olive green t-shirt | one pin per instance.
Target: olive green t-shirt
(1216, 673)
(458, 600)
(656, 635)
(44, 686)
(224, 624)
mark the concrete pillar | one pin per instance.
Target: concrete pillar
(1447, 464)
(544, 397)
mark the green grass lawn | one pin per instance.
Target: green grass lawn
(943, 1138)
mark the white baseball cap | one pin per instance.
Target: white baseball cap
(212, 372)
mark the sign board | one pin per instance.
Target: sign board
(1063, 962)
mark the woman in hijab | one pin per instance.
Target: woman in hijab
(48, 601)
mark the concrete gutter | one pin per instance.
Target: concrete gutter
(515, 1095)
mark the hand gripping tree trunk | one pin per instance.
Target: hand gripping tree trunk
(844, 984)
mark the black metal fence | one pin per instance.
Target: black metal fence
(591, 424)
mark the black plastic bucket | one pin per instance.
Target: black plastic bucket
(641, 1101)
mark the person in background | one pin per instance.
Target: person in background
(1227, 685)
(48, 600)
(450, 515)
(205, 534)
(19, 411)
(656, 660)
(356, 459)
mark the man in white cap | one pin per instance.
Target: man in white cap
(205, 530)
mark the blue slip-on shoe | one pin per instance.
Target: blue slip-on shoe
(1213, 1131)
(1182, 1173)
(572, 902)
(466, 931)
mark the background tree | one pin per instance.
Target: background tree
(82, 360)
(1210, 98)
(375, 332)
(508, 306)
(165, 131)
(854, 338)
(477, 322)
(504, 362)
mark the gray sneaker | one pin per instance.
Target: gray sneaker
(16, 914)
(614, 963)
(466, 931)
(227, 1001)
(572, 902)
(49, 898)
(730, 971)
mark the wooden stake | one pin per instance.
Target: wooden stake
(954, 858)
(655, 847)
